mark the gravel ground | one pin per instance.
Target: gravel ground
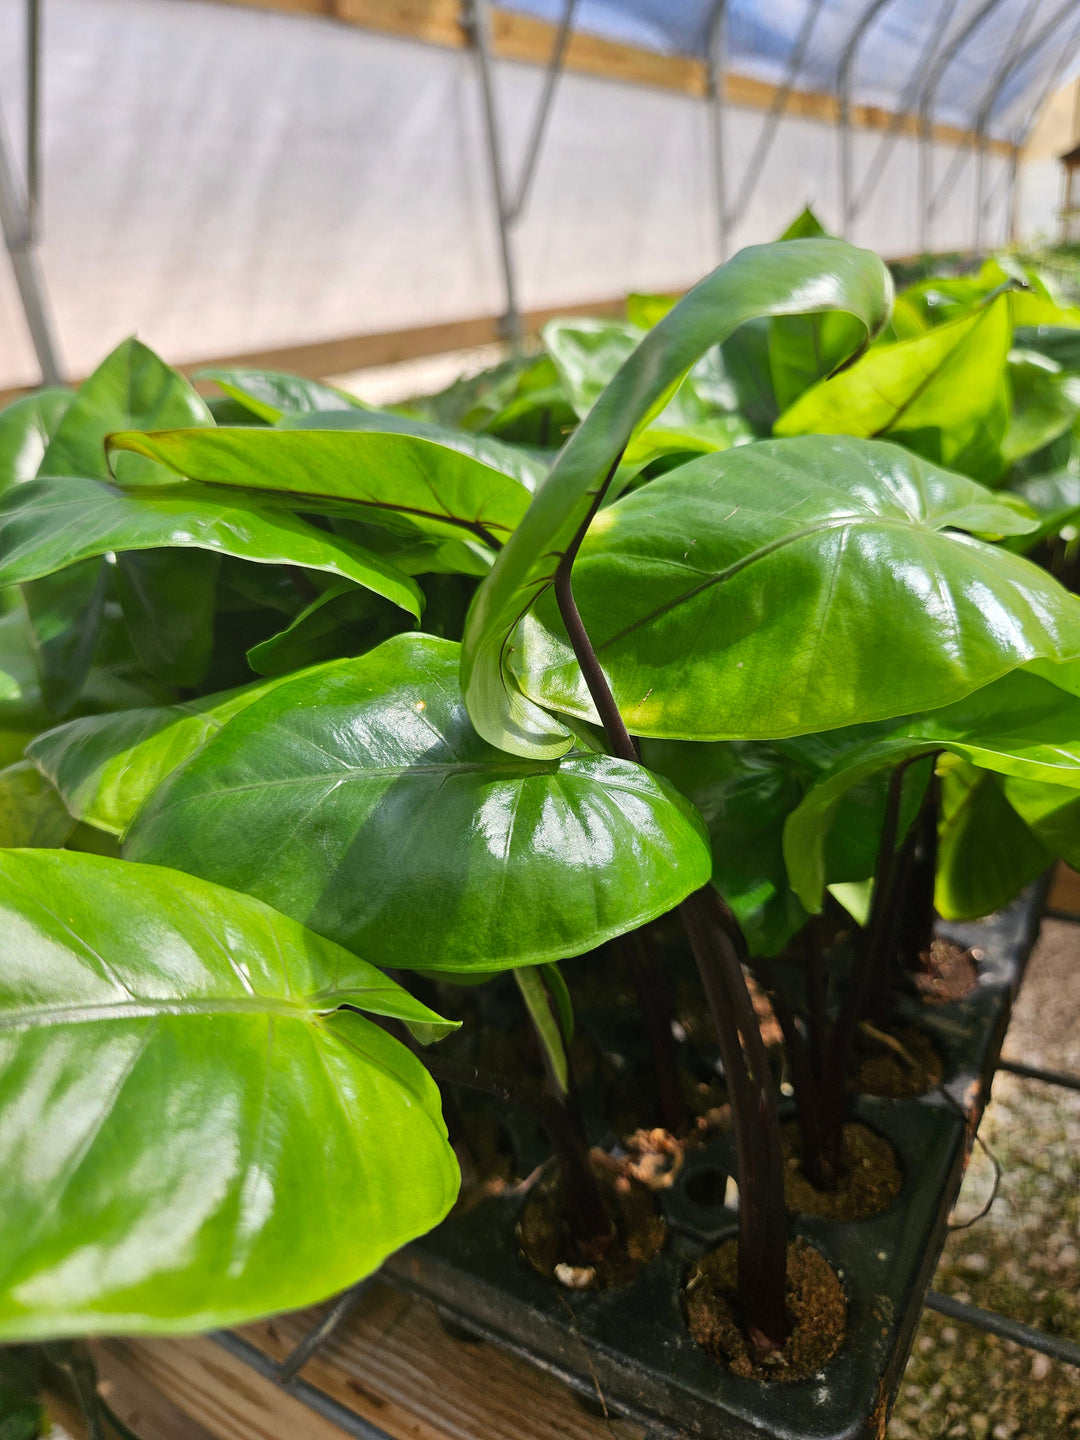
(1023, 1259)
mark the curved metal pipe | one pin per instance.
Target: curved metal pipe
(926, 57)
(927, 99)
(714, 53)
(844, 73)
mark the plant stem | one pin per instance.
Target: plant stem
(763, 1221)
(656, 1013)
(710, 928)
(917, 906)
(592, 672)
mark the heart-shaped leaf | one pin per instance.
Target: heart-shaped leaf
(1022, 725)
(194, 1135)
(755, 593)
(409, 484)
(32, 813)
(986, 854)
(105, 766)
(25, 429)
(1045, 403)
(795, 276)
(47, 524)
(270, 394)
(525, 466)
(132, 389)
(360, 800)
(942, 394)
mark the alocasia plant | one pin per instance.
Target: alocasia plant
(209, 659)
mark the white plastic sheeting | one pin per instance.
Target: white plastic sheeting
(990, 52)
(222, 180)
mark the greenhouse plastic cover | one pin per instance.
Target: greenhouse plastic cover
(977, 56)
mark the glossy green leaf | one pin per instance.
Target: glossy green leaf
(1051, 812)
(105, 766)
(797, 276)
(25, 429)
(341, 621)
(804, 349)
(1021, 725)
(21, 706)
(587, 353)
(942, 394)
(986, 854)
(1060, 343)
(407, 483)
(270, 394)
(521, 464)
(49, 523)
(744, 792)
(360, 800)
(1055, 498)
(64, 609)
(194, 1135)
(131, 390)
(168, 599)
(777, 576)
(520, 399)
(1045, 403)
(31, 810)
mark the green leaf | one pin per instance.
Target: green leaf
(64, 609)
(797, 276)
(47, 524)
(194, 1134)
(588, 353)
(533, 991)
(25, 429)
(168, 598)
(780, 575)
(270, 394)
(986, 854)
(341, 621)
(409, 484)
(1022, 725)
(521, 464)
(745, 792)
(31, 810)
(1045, 403)
(105, 766)
(804, 349)
(360, 799)
(805, 226)
(1055, 498)
(131, 390)
(21, 706)
(1051, 812)
(1060, 343)
(942, 394)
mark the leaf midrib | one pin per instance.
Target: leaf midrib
(762, 553)
(42, 1016)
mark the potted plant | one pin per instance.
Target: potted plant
(214, 881)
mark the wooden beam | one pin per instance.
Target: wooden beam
(388, 347)
(524, 38)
